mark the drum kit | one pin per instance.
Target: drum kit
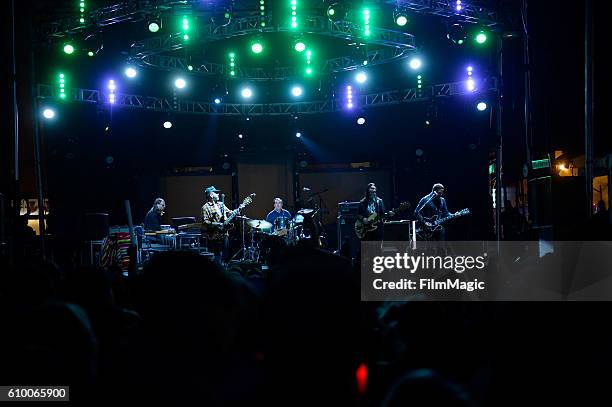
(267, 241)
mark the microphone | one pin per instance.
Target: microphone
(222, 204)
(306, 189)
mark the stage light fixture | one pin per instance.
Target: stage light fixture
(349, 97)
(167, 124)
(400, 18)
(361, 121)
(366, 22)
(62, 85)
(240, 136)
(415, 63)
(257, 46)
(48, 113)
(294, 23)
(470, 84)
(361, 77)
(180, 83)
(68, 48)
(481, 37)
(93, 44)
(246, 93)
(190, 67)
(298, 134)
(296, 91)
(299, 46)
(481, 106)
(131, 72)
(458, 5)
(456, 34)
(154, 24)
(112, 87)
(217, 101)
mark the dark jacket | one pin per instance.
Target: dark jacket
(152, 221)
(429, 206)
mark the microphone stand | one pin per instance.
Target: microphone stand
(322, 208)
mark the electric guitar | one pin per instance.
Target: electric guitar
(370, 224)
(217, 232)
(435, 223)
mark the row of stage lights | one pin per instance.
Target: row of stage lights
(360, 78)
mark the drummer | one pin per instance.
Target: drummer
(278, 216)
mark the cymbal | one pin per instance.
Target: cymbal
(305, 211)
(259, 224)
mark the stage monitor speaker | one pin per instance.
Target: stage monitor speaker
(348, 242)
(96, 226)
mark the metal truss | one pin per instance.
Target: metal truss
(311, 24)
(472, 11)
(366, 101)
(206, 68)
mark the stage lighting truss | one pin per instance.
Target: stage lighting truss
(384, 46)
(473, 12)
(209, 107)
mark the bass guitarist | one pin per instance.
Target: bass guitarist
(368, 205)
(430, 205)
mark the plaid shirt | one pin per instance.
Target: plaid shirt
(211, 212)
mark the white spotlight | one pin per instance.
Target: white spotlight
(298, 134)
(470, 84)
(361, 77)
(296, 91)
(217, 101)
(361, 120)
(48, 113)
(247, 93)
(167, 124)
(415, 63)
(180, 83)
(130, 72)
(481, 106)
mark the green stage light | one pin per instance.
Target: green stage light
(481, 37)
(300, 46)
(61, 80)
(153, 26)
(331, 11)
(90, 53)
(232, 58)
(82, 6)
(68, 49)
(257, 47)
(294, 23)
(366, 22)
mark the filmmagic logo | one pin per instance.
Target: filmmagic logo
(412, 264)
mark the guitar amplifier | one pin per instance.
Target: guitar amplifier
(348, 208)
(348, 242)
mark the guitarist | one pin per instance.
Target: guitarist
(214, 213)
(369, 204)
(430, 205)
